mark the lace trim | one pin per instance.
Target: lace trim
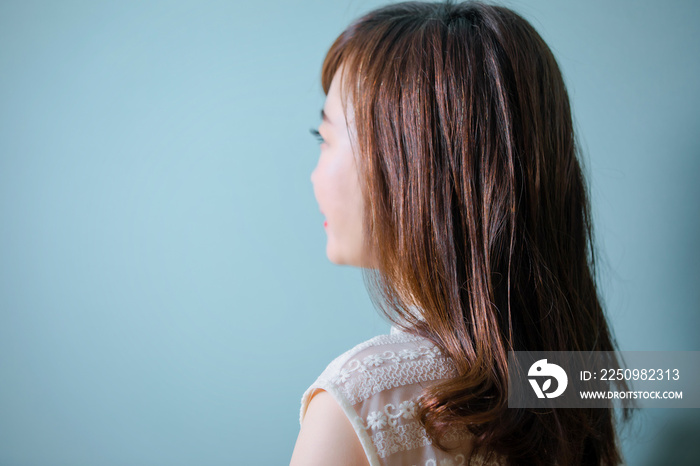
(390, 415)
(327, 377)
(459, 460)
(404, 437)
(376, 341)
(400, 438)
(396, 428)
(330, 375)
(411, 435)
(376, 360)
(363, 377)
(358, 389)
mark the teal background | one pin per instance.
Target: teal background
(164, 293)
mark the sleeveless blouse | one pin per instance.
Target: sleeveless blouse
(377, 384)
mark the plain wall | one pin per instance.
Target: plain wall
(165, 297)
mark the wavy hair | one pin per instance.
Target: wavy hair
(477, 213)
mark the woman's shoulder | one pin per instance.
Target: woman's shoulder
(377, 385)
(379, 364)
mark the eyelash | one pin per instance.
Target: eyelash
(317, 135)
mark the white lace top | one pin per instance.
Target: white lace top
(377, 384)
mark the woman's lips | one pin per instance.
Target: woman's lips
(325, 224)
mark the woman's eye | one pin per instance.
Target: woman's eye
(317, 135)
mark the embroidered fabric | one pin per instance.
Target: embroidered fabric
(378, 384)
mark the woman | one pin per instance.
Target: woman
(449, 172)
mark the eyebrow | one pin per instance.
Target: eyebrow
(325, 118)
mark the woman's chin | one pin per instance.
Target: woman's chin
(353, 256)
(339, 257)
(334, 255)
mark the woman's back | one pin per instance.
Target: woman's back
(378, 384)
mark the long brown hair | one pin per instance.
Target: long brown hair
(477, 213)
